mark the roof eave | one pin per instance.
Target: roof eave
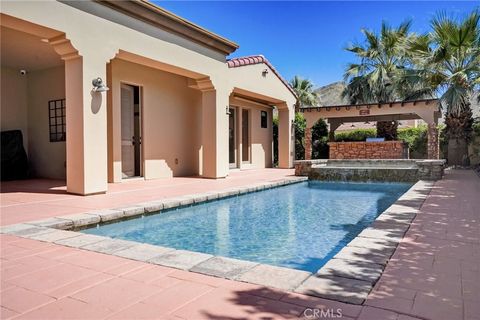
(150, 13)
(257, 59)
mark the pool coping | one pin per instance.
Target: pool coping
(348, 277)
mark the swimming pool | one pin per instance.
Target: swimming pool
(300, 226)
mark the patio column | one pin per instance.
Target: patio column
(86, 127)
(285, 136)
(432, 142)
(431, 118)
(215, 163)
(334, 124)
(308, 143)
(86, 117)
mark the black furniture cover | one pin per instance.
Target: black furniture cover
(14, 158)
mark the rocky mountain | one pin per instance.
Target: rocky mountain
(331, 95)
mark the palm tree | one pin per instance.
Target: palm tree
(304, 89)
(447, 64)
(374, 78)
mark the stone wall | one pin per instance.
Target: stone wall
(368, 150)
(407, 170)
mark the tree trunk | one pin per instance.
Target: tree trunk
(387, 130)
(458, 131)
(458, 152)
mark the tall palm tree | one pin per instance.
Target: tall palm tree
(447, 64)
(304, 89)
(374, 78)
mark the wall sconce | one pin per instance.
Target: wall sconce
(98, 85)
(264, 72)
(227, 110)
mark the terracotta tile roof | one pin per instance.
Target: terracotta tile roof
(256, 59)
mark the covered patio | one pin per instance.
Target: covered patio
(428, 110)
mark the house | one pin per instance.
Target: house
(103, 91)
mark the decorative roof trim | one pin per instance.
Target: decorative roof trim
(158, 17)
(257, 59)
(369, 105)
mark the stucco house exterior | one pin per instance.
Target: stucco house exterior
(176, 106)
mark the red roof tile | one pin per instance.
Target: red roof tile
(250, 60)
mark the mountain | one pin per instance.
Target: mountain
(331, 94)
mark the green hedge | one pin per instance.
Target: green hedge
(356, 135)
(416, 139)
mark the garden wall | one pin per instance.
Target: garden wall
(368, 150)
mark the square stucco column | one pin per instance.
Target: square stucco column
(86, 127)
(214, 134)
(285, 137)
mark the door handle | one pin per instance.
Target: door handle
(134, 141)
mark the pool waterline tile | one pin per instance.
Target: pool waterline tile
(336, 287)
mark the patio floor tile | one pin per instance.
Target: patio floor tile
(116, 294)
(67, 308)
(21, 300)
(176, 296)
(51, 278)
(232, 304)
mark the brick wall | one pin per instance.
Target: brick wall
(368, 150)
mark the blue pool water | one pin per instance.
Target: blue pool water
(299, 226)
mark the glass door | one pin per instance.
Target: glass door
(245, 135)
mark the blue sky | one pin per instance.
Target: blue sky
(307, 38)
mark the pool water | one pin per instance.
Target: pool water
(300, 226)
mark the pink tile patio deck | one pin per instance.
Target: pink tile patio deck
(29, 200)
(434, 273)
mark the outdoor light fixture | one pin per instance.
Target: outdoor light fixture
(227, 110)
(264, 72)
(98, 85)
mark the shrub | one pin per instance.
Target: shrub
(416, 140)
(356, 135)
(320, 140)
(300, 126)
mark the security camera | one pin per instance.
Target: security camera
(23, 72)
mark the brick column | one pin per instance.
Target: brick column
(308, 143)
(432, 142)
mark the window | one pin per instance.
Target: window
(263, 119)
(56, 116)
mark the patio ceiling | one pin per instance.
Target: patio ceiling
(21, 50)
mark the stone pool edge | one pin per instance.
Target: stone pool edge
(348, 277)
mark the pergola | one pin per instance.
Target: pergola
(426, 109)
